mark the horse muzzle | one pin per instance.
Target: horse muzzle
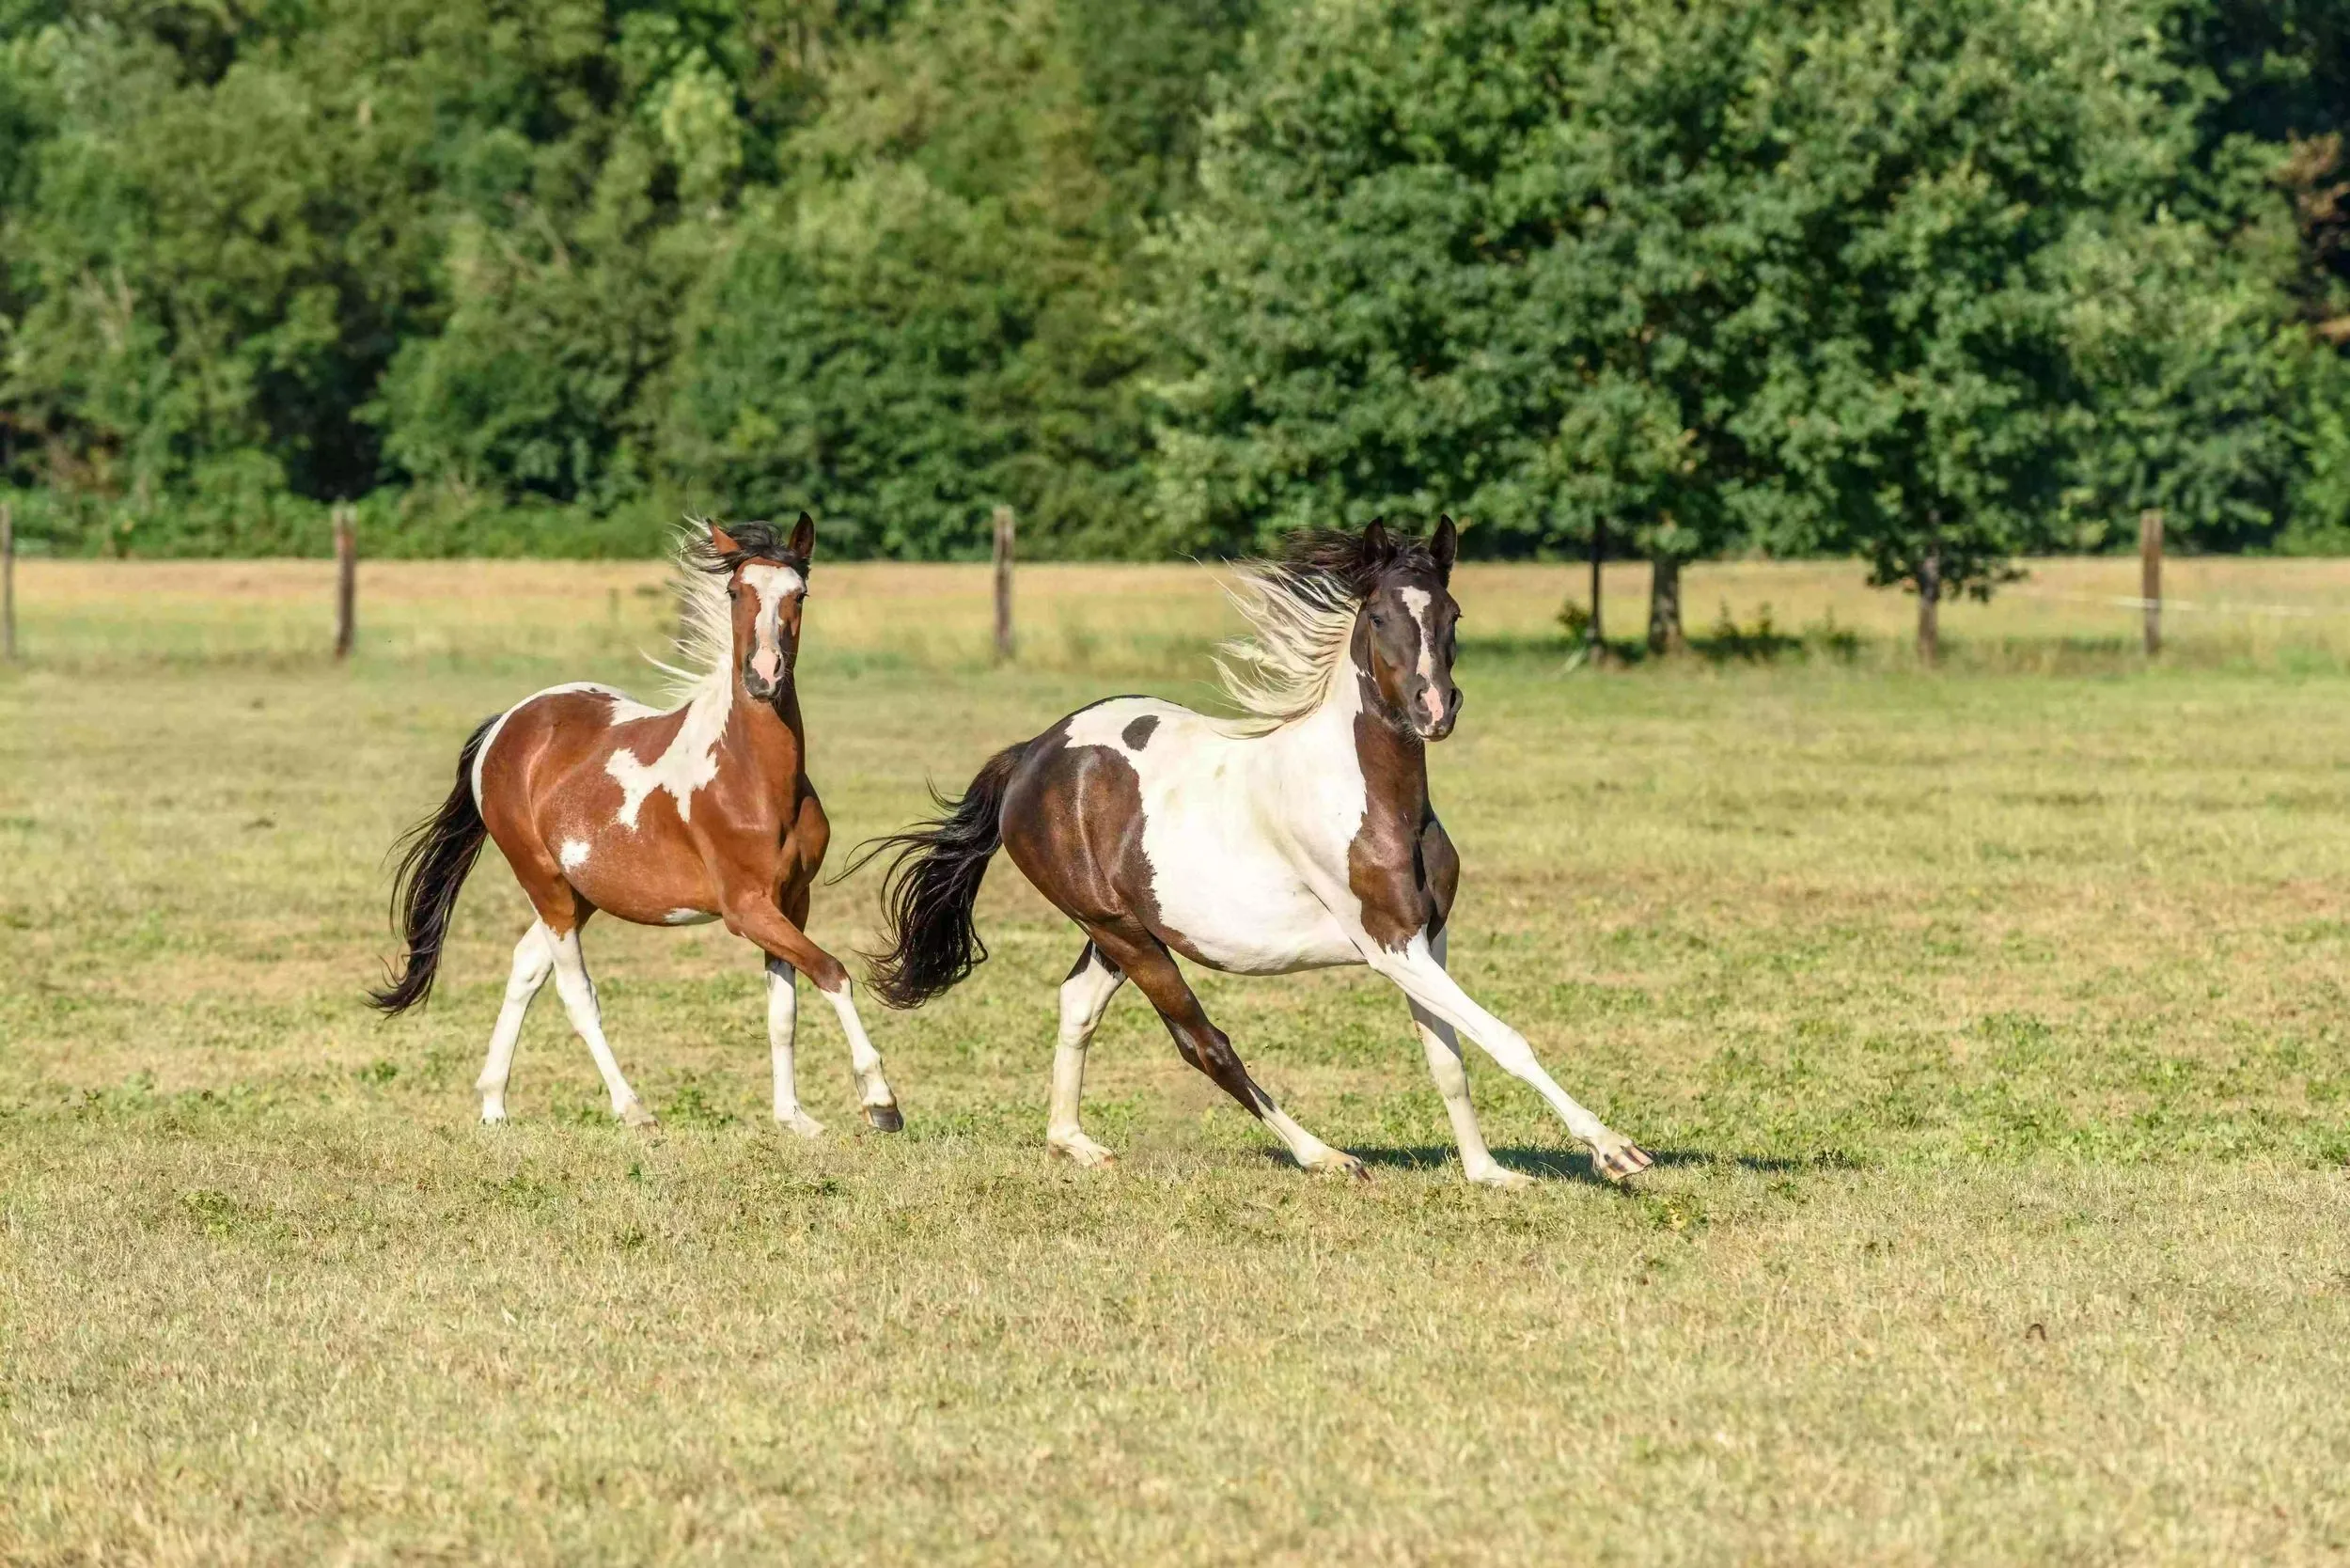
(1435, 710)
(764, 683)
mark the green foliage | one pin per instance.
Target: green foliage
(1492, 259)
(1953, 280)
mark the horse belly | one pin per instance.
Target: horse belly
(615, 869)
(653, 900)
(1241, 909)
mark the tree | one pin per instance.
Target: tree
(1949, 168)
(936, 315)
(1489, 259)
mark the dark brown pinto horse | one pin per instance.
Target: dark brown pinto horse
(1298, 837)
(702, 812)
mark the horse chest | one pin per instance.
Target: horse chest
(1236, 853)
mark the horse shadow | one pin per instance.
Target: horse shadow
(1565, 1165)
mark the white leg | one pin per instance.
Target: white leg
(534, 956)
(1309, 1151)
(1085, 995)
(873, 1093)
(783, 1018)
(579, 1001)
(1443, 1050)
(1424, 981)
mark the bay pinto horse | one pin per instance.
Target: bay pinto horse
(699, 813)
(1297, 837)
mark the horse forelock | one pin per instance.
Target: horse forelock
(1350, 559)
(758, 540)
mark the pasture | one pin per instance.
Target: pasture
(1988, 1024)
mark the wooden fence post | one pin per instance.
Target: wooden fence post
(2149, 574)
(8, 582)
(346, 579)
(1595, 639)
(1003, 584)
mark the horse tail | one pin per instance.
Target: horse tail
(435, 857)
(932, 883)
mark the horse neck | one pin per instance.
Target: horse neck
(766, 735)
(1346, 729)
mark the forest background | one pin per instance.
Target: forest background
(1936, 283)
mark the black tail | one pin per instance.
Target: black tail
(932, 884)
(435, 857)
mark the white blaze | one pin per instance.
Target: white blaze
(773, 586)
(1422, 604)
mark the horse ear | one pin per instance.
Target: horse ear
(722, 542)
(1375, 542)
(1445, 547)
(804, 537)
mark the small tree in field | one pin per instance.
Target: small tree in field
(1943, 165)
(1487, 258)
(2193, 365)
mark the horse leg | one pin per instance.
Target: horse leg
(1085, 995)
(783, 1017)
(579, 1000)
(534, 957)
(757, 919)
(1206, 1047)
(1417, 972)
(1443, 1050)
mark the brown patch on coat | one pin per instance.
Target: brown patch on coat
(1137, 733)
(1388, 864)
(1072, 822)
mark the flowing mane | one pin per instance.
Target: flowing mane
(704, 645)
(1301, 610)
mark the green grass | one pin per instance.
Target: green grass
(1989, 1026)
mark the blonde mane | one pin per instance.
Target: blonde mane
(703, 646)
(1299, 625)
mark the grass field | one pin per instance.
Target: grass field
(1989, 1025)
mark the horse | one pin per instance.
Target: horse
(665, 817)
(1296, 836)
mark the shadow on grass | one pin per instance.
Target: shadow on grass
(1576, 1165)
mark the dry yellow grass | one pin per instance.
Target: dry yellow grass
(1152, 620)
(1991, 1022)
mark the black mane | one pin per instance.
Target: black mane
(759, 541)
(1348, 560)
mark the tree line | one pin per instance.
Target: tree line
(1937, 283)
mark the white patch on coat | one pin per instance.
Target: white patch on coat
(574, 854)
(690, 762)
(1229, 823)
(687, 918)
(625, 708)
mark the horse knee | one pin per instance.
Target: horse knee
(1512, 1053)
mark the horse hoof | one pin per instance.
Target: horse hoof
(801, 1124)
(1340, 1165)
(884, 1119)
(1083, 1152)
(1503, 1179)
(633, 1114)
(1620, 1162)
